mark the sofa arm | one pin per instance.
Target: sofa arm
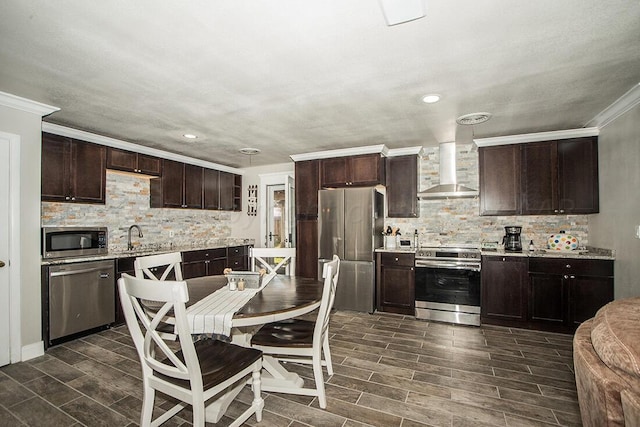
(630, 408)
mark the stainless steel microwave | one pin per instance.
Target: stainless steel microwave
(63, 242)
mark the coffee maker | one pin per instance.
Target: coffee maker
(511, 240)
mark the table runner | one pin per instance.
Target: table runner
(212, 315)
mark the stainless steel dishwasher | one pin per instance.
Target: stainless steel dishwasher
(81, 297)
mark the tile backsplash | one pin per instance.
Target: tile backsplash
(458, 220)
(127, 203)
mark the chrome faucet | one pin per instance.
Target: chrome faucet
(129, 244)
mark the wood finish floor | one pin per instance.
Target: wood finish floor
(388, 371)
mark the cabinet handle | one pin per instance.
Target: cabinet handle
(396, 259)
(555, 211)
(568, 265)
(573, 277)
(561, 210)
(67, 198)
(504, 259)
(73, 199)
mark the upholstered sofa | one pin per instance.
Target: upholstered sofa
(606, 356)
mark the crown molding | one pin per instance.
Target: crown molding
(538, 136)
(620, 106)
(24, 104)
(370, 149)
(124, 145)
(407, 151)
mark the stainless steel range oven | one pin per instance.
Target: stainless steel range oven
(448, 284)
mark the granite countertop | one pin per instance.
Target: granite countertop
(397, 250)
(143, 251)
(588, 253)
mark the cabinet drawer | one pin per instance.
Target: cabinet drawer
(237, 262)
(203, 255)
(391, 258)
(237, 251)
(583, 267)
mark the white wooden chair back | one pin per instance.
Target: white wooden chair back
(273, 259)
(330, 272)
(155, 354)
(145, 266)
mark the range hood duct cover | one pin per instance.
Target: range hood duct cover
(448, 187)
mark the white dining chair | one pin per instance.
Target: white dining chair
(273, 259)
(304, 341)
(198, 371)
(159, 267)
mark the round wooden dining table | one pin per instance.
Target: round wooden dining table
(283, 297)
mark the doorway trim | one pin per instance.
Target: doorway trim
(15, 331)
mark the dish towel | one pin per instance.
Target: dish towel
(212, 315)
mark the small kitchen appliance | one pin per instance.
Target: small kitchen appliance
(512, 240)
(447, 284)
(66, 242)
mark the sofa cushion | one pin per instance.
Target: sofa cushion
(615, 335)
(631, 408)
(598, 386)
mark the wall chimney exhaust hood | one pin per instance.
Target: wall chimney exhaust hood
(448, 187)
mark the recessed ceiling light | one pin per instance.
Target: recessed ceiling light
(431, 98)
(473, 118)
(190, 136)
(249, 151)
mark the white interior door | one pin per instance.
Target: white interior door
(5, 337)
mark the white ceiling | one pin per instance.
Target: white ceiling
(292, 76)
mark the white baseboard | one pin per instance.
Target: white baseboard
(31, 351)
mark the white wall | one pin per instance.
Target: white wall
(28, 126)
(243, 225)
(613, 227)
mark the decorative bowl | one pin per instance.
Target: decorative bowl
(562, 242)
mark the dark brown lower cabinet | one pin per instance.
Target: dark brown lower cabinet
(552, 294)
(396, 282)
(238, 258)
(504, 289)
(204, 262)
(123, 265)
(565, 292)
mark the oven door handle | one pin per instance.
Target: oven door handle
(449, 265)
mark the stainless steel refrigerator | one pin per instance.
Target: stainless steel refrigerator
(350, 225)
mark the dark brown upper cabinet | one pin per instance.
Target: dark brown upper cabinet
(222, 190)
(180, 186)
(211, 189)
(227, 191)
(499, 180)
(362, 170)
(578, 176)
(560, 177)
(540, 178)
(402, 186)
(128, 161)
(307, 175)
(72, 170)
